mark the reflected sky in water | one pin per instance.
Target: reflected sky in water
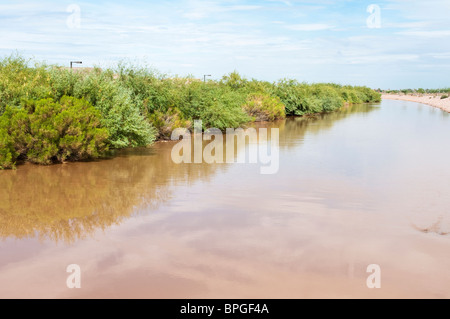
(361, 186)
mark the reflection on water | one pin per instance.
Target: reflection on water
(365, 185)
(67, 202)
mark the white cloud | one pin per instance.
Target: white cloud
(286, 2)
(259, 40)
(202, 9)
(427, 34)
(445, 55)
(382, 58)
(309, 27)
(407, 25)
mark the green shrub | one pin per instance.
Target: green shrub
(217, 105)
(18, 81)
(263, 87)
(290, 93)
(148, 90)
(328, 97)
(223, 111)
(7, 152)
(62, 81)
(234, 81)
(444, 96)
(349, 96)
(166, 122)
(369, 94)
(263, 107)
(126, 126)
(46, 131)
(301, 98)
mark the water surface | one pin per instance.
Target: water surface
(365, 185)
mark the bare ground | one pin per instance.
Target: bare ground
(431, 99)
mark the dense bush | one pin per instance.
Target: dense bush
(149, 90)
(234, 81)
(8, 154)
(19, 81)
(130, 101)
(221, 109)
(350, 96)
(301, 98)
(166, 122)
(46, 131)
(263, 107)
(367, 95)
(126, 125)
(119, 114)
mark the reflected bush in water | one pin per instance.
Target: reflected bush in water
(297, 127)
(71, 201)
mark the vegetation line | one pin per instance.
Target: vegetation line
(51, 114)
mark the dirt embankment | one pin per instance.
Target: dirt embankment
(429, 99)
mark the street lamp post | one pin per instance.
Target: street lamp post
(77, 62)
(204, 77)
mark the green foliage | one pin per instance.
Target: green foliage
(421, 91)
(406, 91)
(126, 125)
(14, 136)
(19, 81)
(62, 82)
(217, 105)
(131, 101)
(234, 81)
(148, 89)
(46, 131)
(7, 151)
(445, 96)
(367, 95)
(166, 122)
(301, 98)
(350, 96)
(222, 109)
(120, 113)
(263, 107)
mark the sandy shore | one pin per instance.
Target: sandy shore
(433, 100)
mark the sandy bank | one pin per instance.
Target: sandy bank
(433, 100)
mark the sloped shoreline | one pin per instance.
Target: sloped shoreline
(432, 100)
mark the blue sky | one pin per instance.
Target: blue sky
(312, 41)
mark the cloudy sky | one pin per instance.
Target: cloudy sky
(381, 44)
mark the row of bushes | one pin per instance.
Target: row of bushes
(419, 91)
(53, 114)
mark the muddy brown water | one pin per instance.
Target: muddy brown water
(365, 185)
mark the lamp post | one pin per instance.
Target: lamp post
(77, 62)
(204, 77)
